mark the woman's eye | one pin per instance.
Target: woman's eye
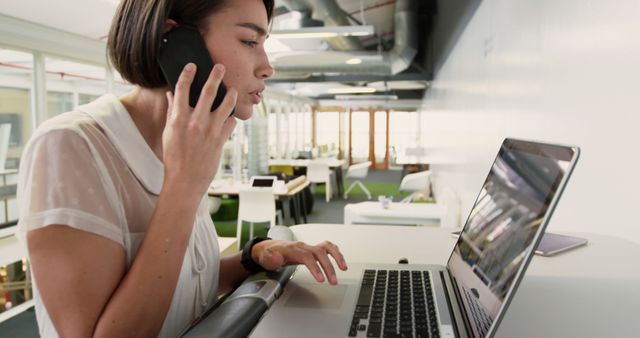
(251, 44)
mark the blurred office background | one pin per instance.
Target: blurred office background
(385, 81)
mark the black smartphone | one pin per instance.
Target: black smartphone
(178, 47)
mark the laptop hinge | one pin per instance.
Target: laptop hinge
(457, 312)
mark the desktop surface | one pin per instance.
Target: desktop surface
(588, 292)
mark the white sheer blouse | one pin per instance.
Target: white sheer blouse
(92, 170)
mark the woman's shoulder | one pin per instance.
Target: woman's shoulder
(72, 120)
(75, 130)
(70, 129)
(77, 121)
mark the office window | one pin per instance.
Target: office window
(380, 135)
(327, 132)
(58, 103)
(300, 136)
(14, 111)
(403, 133)
(70, 84)
(305, 129)
(15, 121)
(278, 132)
(86, 98)
(360, 136)
(292, 131)
(292, 121)
(344, 140)
(15, 107)
(120, 86)
(284, 131)
(271, 133)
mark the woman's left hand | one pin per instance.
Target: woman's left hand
(273, 254)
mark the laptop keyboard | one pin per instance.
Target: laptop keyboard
(480, 317)
(395, 303)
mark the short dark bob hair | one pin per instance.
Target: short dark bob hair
(136, 29)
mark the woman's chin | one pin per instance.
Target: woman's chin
(243, 112)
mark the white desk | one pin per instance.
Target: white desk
(396, 213)
(332, 162)
(588, 292)
(231, 187)
(220, 188)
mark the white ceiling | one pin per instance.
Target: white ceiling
(91, 18)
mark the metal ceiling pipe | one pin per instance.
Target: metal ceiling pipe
(392, 62)
(331, 14)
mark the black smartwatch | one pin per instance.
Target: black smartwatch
(247, 261)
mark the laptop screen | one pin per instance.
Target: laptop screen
(506, 222)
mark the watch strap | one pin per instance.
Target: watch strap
(246, 260)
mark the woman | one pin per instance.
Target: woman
(113, 194)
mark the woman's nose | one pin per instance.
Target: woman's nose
(264, 70)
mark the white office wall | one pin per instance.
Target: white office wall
(565, 71)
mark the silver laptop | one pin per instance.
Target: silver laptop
(465, 298)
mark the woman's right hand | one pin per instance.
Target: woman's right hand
(192, 140)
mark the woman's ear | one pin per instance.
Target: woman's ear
(169, 24)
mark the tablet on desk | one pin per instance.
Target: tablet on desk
(263, 181)
(553, 244)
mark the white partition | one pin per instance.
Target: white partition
(554, 70)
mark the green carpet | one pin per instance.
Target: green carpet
(228, 229)
(228, 210)
(375, 188)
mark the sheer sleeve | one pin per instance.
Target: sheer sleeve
(61, 181)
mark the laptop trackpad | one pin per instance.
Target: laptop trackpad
(318, 296)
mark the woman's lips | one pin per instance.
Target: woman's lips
(255, 97)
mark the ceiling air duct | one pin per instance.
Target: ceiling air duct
(396, 60)
(328, 12)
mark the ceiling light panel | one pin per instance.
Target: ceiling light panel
(322, 32)
(351, 90)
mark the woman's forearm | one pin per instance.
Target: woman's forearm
(140, 304)
(232, 273)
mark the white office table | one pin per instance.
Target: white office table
(396, 213)
(593, 291)
(231, 187)
(332, 162)
(219, 188)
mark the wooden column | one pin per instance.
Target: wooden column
(372, 137)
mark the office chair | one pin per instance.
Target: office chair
(256, 206)
(416, 183)
(358, 171)
(319, 172)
